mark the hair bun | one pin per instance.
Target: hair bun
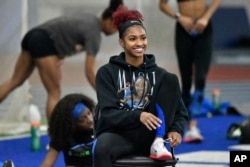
(123, 14)
(114, 4)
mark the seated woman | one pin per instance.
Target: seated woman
(139, 103)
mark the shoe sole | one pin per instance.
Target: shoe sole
(162, 157)
(193, 140)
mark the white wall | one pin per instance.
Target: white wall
(42, 10)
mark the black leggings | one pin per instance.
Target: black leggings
(110, 146)
(193, 53)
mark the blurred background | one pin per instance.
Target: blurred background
(231, 59)
(230, 70)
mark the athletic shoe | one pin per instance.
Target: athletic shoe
(195, 108)
(193, 136)
(8, 163)
(159, 151)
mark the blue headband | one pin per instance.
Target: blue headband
(78, 110)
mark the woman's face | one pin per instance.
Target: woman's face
(108, 27)
(86, 120)
(134, 41)
(141, 87)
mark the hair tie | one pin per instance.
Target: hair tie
(127, 24)
(78, 110)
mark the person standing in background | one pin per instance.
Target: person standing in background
(193, 45)
(47, 45)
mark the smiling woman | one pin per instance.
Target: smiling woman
(136, 99)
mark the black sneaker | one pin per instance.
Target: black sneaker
(8, 163)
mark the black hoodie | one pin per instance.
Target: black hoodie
(119, 85)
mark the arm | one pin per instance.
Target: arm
(176, 114)
(211, 9)
(180, 118)
(50, 158)
(165, 8)
(180, 122)
(202, 22)
(181, 114)
(90, 69)
(186, 22)
(111, 115)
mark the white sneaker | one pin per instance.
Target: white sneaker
(159, 151)
(193, 136)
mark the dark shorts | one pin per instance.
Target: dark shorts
(38, 43)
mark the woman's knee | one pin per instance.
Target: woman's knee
(101, 148)
(112, 145)
(16, 82)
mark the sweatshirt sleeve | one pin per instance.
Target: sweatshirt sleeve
(180, 119)
(181, 115)
(169, 98)
(110, 116)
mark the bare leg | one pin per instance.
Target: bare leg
(49, 69)
(23, 69)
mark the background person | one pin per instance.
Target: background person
(71, 131)
(46, 46)
(193, 45)
(124, 127)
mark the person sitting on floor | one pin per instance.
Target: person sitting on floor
(71, 131)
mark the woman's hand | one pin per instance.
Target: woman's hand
(150, 120)
(200, 25)
(186, 22)
(175, 138)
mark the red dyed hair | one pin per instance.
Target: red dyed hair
(123, 14)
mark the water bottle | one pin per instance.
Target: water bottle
(35, 136)
(216, 99)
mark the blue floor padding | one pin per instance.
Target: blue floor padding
(213, 129)
(19, 151)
